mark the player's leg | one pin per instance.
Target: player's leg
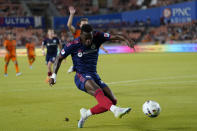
(104, 103)
(7, 59)
(49, 60)
(16, 66)
(98, 109)
(49, 67)
(31, 59)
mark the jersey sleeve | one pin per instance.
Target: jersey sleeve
(57, 40)
(44, 42)
(103, 37)
(67, 50)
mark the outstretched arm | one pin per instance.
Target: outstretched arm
(70, 19)
(42, 47)
(106, 51)
(56, 67)
(128, 41)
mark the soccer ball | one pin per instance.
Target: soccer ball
(151, 108)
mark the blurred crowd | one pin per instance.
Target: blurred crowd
(92, 7)
(11, 8)
(22, 35)
(139, 31)
(86, 7)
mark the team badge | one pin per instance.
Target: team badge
(93, 46)
(54, 41)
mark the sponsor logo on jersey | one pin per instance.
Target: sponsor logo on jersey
(88, 76)
(54, 41)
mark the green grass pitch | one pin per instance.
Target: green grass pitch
(27, 103)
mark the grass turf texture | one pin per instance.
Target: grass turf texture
(28, 103)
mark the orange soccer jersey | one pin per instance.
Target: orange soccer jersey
(31, 49)
(77, 33)
(10, 46)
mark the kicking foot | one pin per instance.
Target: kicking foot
(119, 112)
(83, 117)
(18, 74)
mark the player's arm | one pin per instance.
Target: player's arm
(42, 47)
(67, 50)
(6, 46)
(120, 37)
(70, 19)
(106, 51)
(59, 44)
(56, 67)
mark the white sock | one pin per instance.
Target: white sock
(88, 113)
(113, 108)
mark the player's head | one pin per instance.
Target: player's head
(86, 34)
(9, 36)
(83, 21)
(50, 33)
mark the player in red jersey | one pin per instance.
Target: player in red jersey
(77, 31)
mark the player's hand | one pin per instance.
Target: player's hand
(106, 51)
(71, 10)
(131, 43)
(51, 81)
(43, 53)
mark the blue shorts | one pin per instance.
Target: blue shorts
(50, 58)
(80, 80)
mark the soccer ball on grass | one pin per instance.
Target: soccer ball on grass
(151, 108)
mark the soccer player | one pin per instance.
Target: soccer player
(30, 52)
(76, 31)
(84, 51)
(10, 46)
(52, 43)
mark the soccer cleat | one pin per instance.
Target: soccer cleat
(5, 75)
(119, 112)
(18, 74)
(83, 117)
(70, 70)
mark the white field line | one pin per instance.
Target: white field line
(149, 79)
(118, 83)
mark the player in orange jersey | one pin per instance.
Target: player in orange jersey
(77, 31)
(10, 46)
(30, 52)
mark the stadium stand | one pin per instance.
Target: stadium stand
(140, 31)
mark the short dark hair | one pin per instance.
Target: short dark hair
(86, 28)
(83, 19)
